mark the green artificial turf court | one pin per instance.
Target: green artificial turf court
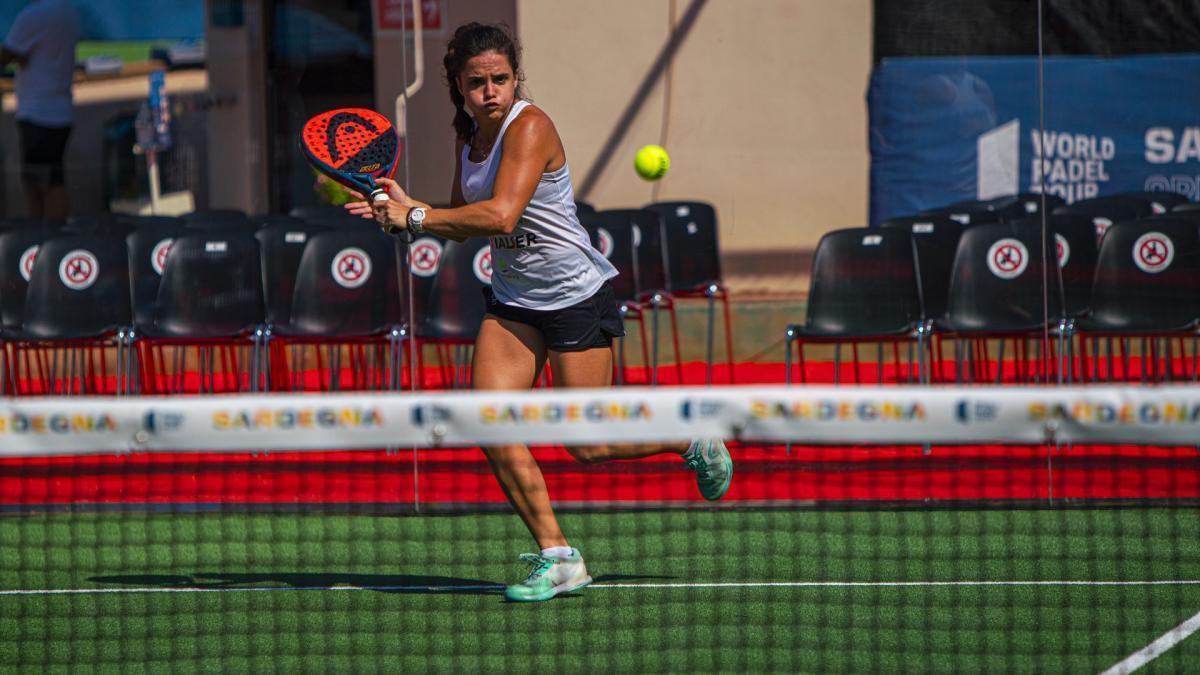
(675, 591)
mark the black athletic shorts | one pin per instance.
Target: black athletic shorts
(42, 151)
(591, 323)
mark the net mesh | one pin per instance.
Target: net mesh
(850, 554)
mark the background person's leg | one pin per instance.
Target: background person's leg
(42, 175)
(509, 356)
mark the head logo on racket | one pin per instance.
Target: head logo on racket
(353, 146)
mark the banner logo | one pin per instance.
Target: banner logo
(967, 411)
(552, 413)
(57, 423)
(297, 418)
(839, 411)
(700, 409)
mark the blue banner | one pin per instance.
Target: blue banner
(950, 129)
(127, 20)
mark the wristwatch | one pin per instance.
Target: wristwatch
(416, 220)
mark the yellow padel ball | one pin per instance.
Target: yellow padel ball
(651, 162)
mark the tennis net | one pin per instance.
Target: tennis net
(947, 529)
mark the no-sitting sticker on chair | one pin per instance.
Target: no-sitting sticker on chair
(1153, 252)
(351, 267)
(1008, 258)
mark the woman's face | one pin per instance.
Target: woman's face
(488, 85)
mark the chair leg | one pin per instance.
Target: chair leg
(675, 340)
(787, 356)
(708, 345)
(837, 364)
(729, 337)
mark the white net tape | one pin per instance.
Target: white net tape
(1165, 415)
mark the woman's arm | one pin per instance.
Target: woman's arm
(530, 144)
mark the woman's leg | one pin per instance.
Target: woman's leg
(509, 356)
(592, 368)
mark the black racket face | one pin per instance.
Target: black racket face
(351, 145)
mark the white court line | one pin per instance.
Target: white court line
(699, 584)
(1155, 649)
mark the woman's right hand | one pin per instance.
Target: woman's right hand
(365, 209)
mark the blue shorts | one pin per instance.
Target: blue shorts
(588, 324)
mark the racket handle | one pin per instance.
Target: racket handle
(379, 196)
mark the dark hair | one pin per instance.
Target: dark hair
(471, 40)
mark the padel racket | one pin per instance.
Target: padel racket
(353, 146)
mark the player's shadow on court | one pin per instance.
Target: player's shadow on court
(383, 583)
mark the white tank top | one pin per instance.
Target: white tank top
(548, 262)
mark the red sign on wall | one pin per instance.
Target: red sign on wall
(389, 13)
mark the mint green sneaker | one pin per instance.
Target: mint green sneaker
(709, 458)
(549, 577)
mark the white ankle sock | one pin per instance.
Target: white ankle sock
(557, 552)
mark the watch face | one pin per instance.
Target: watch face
(417, 216)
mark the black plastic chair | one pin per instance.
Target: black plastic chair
(216, 219)
(1000, 291)
(1075, 249)
(1104, 211)
(1147, 286)
(1022, 205)
(148, 247)
(936, 239)
(864, 288)
(456, 308)
(422, 261)
(77, 311)
(312, 212)
(346, 299)
(1186, 208)
(629, 239)
(967, 213)
(18, 252)
(1160, 201)
(102, 224)
(281, 246)
(208, 318)
(329, 216)
(693, 266)
(274, 220)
